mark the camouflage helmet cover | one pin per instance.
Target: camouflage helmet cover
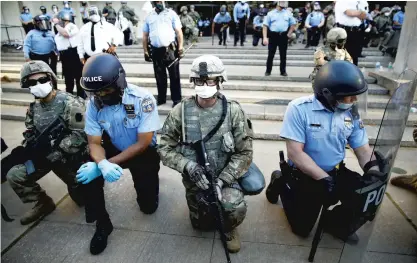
(336, 34)
(33, 67)
(183, 8)
(211, 65)
(386, 10)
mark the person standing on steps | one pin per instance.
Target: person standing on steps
(26, 19)
(241, 15)
(277, 29)
(163, 29)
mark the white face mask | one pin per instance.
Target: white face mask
(95, 18)
(205, 91)
(386, 14)
(66, 5)
(41, 90)
(55, 9)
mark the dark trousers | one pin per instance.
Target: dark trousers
(240, 30)
(72, 70)
(160, 66)
(313, 36)
(144, 169)
(28, 27)
(303, 197)
(127, 39)
(221, 34)
(257, 35)
(277, 40)
(354, 44)
(51, 59)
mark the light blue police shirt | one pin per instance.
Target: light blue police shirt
(258, 21)
(398, 17)
(219, 19)
(323, 133)
(26, 17)
(122, 126)
(67, 10)
(315, 18)
(36, 43)
(161, 27)
(279, 21)
(239, 11)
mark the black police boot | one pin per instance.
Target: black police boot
(307, 46)
(148, 207)
(220, 42)
(99, 241)
(272, 191)
(235, 44)
(284, 74)
(267, 74)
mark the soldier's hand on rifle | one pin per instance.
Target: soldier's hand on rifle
(219, 187)
(87, 173)
(196, 175)
(147, 57)
(181, 53)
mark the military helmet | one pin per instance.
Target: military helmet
(296, 10)
(336, 35)
(183, 8)
(95, 77)
(338, 79)
(386, 10)
(33, 67)
(208, 66)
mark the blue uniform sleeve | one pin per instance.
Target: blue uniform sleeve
(267, 20)
(291, 21)
(322, 17)
(396, 17)
(235, 13)
(308, 19)
(216, 19)
(176, 22)
(358, 137)
(145, 26)
(149, 121)
(293, 127)
(92, 127)
(27, 44)
(228, 18)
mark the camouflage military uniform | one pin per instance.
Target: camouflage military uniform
(326, 51)
(229, 153)
(68, 153)
(194, 15)
(189, 28)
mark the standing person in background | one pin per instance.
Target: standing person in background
(330, 22)
(40, 43)
(241, 15)
(280, 25)
(26, 19)
(55, 11)
(314, 24)
(349, 15)
(304, 12)
(123, 25)
(109, 12)
(220, 24)
(43, 12)
(194, 14)
(84, 12)
(375, 12)
(68, 8)
(367, 25)
(67, 41)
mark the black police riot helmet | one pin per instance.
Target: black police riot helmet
(65, 16)
(337, 79)
(103, 71)
(42, 23)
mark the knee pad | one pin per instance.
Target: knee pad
(234, 206)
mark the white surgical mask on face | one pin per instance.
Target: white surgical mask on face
(95, 18)
(205, 91)
(41, 90)
(55, 9)
(344, 106)
(386, 14)
(66, 5)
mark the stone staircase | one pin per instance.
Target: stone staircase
(264, 99)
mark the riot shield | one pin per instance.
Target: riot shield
(369, 195)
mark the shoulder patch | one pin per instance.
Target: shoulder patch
(147, 105)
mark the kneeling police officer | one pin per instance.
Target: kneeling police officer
(317, 128)
(121, 124)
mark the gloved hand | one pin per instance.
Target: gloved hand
(219, 187)
(87, 173)
(111, 171)
(30, 167)
(196, 175)
(329, 186)
(147, 57)
(181, 53)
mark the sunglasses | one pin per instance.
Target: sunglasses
(32, 82)
(208, 82)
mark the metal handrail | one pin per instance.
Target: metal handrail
(6, 27)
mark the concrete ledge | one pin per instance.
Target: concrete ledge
(388, 80)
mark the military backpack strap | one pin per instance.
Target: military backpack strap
(220, 123)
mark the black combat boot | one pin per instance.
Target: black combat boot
(99, 241)
(273, 190)
(43, 207)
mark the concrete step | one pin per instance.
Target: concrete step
(256, 97)
(252, 62)
(254, 103)
(242, 72)
(243, 85)
(263, 129)
(237, 57)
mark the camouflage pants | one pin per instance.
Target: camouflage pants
(26, 186)
(190, 34)
(234, 208)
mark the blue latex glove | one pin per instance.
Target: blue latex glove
(111, 171)
(30, 167)
(87, 173)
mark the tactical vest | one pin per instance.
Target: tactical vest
(197, 123)
(332, 55)
(45, 113)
